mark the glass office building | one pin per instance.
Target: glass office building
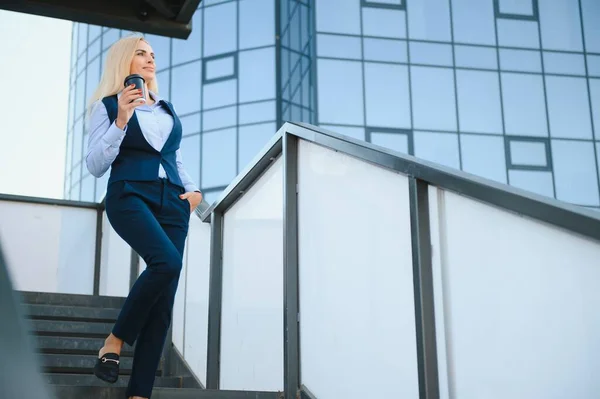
(504, 89)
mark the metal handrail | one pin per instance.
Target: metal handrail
(574, 218)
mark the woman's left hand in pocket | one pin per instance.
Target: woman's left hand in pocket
(194, 198)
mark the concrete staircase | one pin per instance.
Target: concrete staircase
(69, 330)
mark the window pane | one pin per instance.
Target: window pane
(220, 94)
(219, 118)
(77, 141)
(164, 82)
(593, 62)
(524, 104)
(82, 38)
(338, 16)
(534, 181)
(296, 114)
(385, 50)
(186, 85)
(568, 64)
(87, 188)
(190, 155)
(476, 57)
(595, 94)
(384, 23)
(94, 49)
(69, 151)
(81, 64)
(433, 98)
(257, 75)
(521, 60)
(257, 23)
(338, 46)
(387, 100)
(479, 102)
(516, 33)
(189, 49)
(252, 140)
(568, 107)
(561, 28)
(76, 186)
(473, 21)
(575, 172)
(263, 111)
(354, 132)
(212, 196)
(429, 20)
(80, 97)
(109, 38)
(218, 157)
(441, 148)
(220, 68)
(591, 14)
(94, 32)
(93, 78)
(220, 22)
(71, 108)
(393, 141)
(484, 156)
(306, 25)
(294, 30)
(430, 53)
(528, 153)
(340, 92)
(518, 7)
(190, 124)
(306, 92)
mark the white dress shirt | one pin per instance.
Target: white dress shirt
(105, 138)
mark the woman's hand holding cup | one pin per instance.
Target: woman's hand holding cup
(127, 105)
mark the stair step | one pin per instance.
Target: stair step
(71, 328)
(46, 298)
(89, 380)
(70, 392)
(75, 346)
(80, 364)
(70, 313)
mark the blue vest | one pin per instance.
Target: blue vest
(137, 159)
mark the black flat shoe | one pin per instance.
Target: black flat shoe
(107, 367)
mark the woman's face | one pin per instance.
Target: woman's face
(143, 61)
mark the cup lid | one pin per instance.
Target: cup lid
(134, 76)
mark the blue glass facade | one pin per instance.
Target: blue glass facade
(505, 89)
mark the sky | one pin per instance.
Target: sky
(34, 92)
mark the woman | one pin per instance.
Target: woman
(149, 199)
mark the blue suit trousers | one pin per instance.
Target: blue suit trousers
(154, 221)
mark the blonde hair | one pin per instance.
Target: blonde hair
(118, 67)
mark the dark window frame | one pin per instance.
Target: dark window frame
(523, 17)
(528, 139)
(234, 75)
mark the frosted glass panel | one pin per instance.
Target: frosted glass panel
(196, 305)
(49, 248)
(356, 294)
(115, 267)
(178, 327)
(538, 342)
(252, 312)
